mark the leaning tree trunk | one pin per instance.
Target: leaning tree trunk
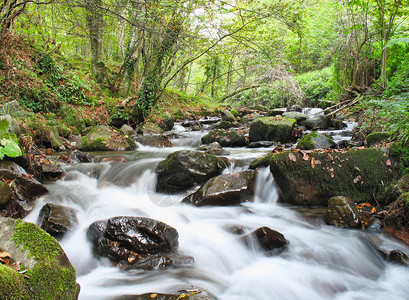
(95, 23)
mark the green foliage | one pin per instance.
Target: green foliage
(399, 83)
(8, 142)
(400, 151)
(316, 87)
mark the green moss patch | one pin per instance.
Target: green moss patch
(312, 178)
(377, 137)
(50, 277)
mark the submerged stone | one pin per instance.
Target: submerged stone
(270, 241)
(57, 219)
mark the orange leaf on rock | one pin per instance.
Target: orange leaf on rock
(5, 258)
(388, 163)
(292, 157)
(313, 162)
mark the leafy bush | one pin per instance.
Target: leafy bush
(316, 86)
(399, 83)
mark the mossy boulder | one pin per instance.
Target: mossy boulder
(104, 138)
(315, 140)
(150, 127)
(377, 137)
(226, 138)
(400, 152)
(226, 125)
(185, 169)
(48, 272)
(263, 161)
(342, 212)
(277, 129)
(300, 117)
(363, 175)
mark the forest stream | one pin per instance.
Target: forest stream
(321, 261)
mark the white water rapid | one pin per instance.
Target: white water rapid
(322, 262)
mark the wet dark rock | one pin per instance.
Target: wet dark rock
(396, 219)
(260, 144)
(225, 190)
(316, 140)
(184, 169)
(57, 219)
(25, 186)
(342, 212)
(17, 209)
(136, 242)
(159, 141)
(394, 256)
(12, 125)
(214, 149)
(51, 170)
(80, 157)
(226, 138)
(5, 194)
(277, 111)
(190, 123)
(270, 241)
(168, 123)
(277, 129)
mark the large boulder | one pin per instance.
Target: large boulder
(310, 178)
(185, 169)
(342, 212)
(45, 271)
(225, 189)
(12, 126)
(277, 129)
(214, 148)
(226, 138)
(299, 116)
(57, 219)
(159, 141)
(136, 242)
(316, 140)
(104, 138)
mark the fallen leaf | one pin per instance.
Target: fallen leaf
(317, 162)
(388, 163)
(153, 296)
(332, 175)
(313, 162)
(292, 157)
(373, 210)
(357, 179)
(358, 169)
(330, 157)
(16, 266)
(5, 258)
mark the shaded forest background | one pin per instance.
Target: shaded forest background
(87, 62)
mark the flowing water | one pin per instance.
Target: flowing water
(322, 262)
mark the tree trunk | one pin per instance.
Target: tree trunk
(95, 24)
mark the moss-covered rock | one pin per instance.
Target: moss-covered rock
(226, 138)
(184, 169)
(150, 127)
(315, 140)
(104, 138)
(400, 152)
(49, 274)
(226, 125)
(263, 161)
(377, 137)
(362, 175)
(276, 129)
(341, 212)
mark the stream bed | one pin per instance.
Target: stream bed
(321, 262)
